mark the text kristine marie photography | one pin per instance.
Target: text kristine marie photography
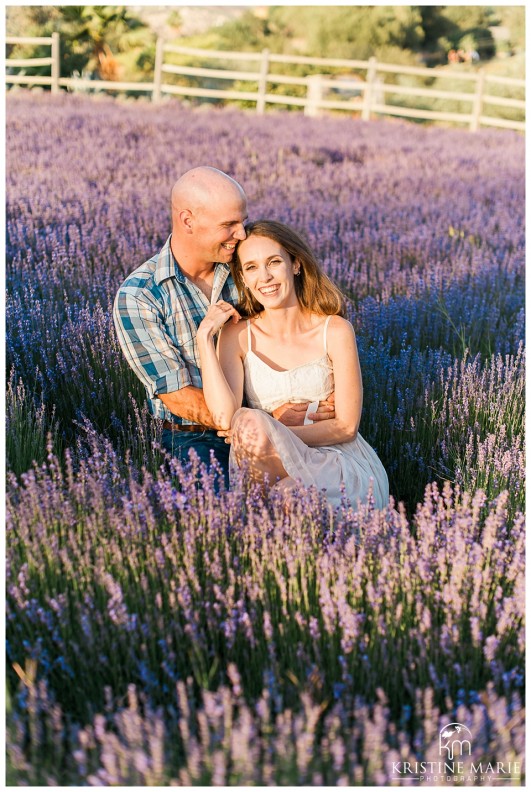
(456, 765)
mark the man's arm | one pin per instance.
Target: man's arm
(188, 403)
(158, 364)
(293, 414)
(154, 358)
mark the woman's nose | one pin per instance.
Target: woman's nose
(265, 274)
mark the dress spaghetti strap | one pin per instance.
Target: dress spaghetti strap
(248, 335)
(324, 334)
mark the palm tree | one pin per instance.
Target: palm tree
(90, 35)
(97, 31)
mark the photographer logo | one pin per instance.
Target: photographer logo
(455, 764)
(454, 741)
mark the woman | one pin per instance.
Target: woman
(295, 346)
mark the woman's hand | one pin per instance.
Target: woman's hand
(216, 316)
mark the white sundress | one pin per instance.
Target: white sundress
(353, 464)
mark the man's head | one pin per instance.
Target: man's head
(208, 211)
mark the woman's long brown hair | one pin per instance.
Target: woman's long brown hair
(315, 291)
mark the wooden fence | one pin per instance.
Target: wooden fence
(52, 62)
(367, 92)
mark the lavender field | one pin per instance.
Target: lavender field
(160, 633)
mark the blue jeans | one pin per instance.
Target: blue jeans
(178, 444)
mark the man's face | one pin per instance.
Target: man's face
(219, 227)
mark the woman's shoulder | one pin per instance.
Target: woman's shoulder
(235, 334)
(340, 335)
(339, 327)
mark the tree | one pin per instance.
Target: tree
(325, 31)
(90, 35)
(97, 31)
(251, 33)
(436, 26)
(513, 17)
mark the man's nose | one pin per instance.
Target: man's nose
(240, 233)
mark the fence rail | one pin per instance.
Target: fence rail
(53, 61)
(369, 91)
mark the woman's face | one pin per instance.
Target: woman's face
(268, 271)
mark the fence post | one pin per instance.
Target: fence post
(157, 77)
(262, 82)
(56, 66)
(369, 88)
(478, 101)
(314, 95)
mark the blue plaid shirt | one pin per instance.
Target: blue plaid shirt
(156, 314)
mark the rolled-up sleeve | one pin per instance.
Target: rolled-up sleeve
(147, 347)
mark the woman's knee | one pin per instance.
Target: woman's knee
(249, 433)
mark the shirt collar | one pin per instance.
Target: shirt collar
(167, 266)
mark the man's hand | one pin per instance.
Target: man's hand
(326, 409)
(292, 414)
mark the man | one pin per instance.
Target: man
(160, 305)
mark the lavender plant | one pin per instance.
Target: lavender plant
(161, 633)
(115, 581)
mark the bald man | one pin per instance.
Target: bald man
(160, 305)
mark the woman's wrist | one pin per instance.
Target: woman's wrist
(205, 333)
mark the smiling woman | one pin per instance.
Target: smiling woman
(269, 275)
(294, 347)
(313, 289)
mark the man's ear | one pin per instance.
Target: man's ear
(186, 220)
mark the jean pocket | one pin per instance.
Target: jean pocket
(180, 443)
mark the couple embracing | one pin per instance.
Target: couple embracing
(241, 342)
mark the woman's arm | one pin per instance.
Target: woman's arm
(343, 352)
(222, 372)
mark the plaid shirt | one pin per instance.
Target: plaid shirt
(156, 314)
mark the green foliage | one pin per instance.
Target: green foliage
(111, 43)
(435, 25)
(479, 39)
(87, 34)
(467, 28)
(401, 35)
(323, 31)
(29, 429)
(464, 17)
(359, 32)
(513, 18)
(175, 19)
(248, 33)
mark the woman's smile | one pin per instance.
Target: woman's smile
(268, 271)
(269, 290)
